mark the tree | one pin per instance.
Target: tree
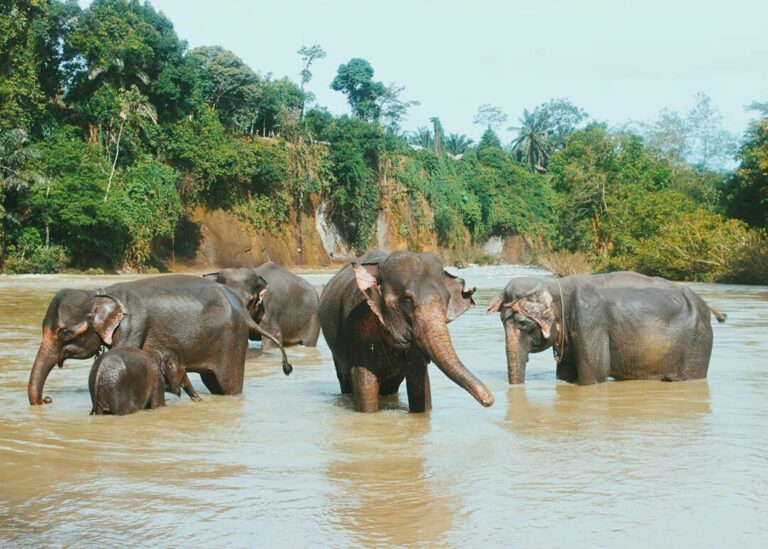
(710, 145)
(16, 155)
(393, 110)
(564, 118)
(533, 142)
(489, 116)
(438, 132)
(308, 56)
(134, 109)
(747, 189)
(228, 85)
(355, 80)
(457, 144)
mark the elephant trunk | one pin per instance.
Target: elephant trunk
(432, 335)
(46, 359)
(517, 346)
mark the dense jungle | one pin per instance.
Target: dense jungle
(123, 150)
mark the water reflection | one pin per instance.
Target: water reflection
(570, 411)
(389, 497)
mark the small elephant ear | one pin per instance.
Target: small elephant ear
(460, 297)
(496, 303)
(366, 276)
(106, 314)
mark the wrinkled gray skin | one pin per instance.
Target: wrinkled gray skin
(385, 317)
(204, 322)
(282, 303)
(126, 380)
(622, 325)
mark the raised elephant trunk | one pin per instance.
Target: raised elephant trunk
(518, 347)
(47, 357)
(432, 335)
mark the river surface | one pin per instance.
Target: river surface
(289, 464)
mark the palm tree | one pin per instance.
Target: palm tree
(15, 157)
(533, 139)
(422, 137)
(134, 108)
(457, 143)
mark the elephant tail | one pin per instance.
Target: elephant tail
(721, 317)
(287, 368)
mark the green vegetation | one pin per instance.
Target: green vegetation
(112, 131)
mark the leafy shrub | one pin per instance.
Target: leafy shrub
(42, 260)
(566, 263)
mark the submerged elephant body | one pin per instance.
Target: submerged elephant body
(126, 380)
(281, 302)
(204, 322)
(385, 317)
(620, 325)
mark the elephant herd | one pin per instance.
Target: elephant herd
(384, 317)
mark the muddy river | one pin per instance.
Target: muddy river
(288, 463)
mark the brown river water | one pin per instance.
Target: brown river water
(289, 464)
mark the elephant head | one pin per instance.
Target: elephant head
(531, 322)
(414, 299)
(172, 370)
(249, 286)
(76, 325)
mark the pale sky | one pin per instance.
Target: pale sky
(619, 60)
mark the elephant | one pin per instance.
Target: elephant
(204, 322)
(126, 380)
(385, 317)
(622, 325)
(282, 303)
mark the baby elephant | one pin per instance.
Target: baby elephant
(127, 379)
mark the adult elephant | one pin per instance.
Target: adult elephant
(622, 325)
(282, 303)
(204, 322)
(385, 317)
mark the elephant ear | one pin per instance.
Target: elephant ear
(460, 299)
(105, 316)
(257, 290)
(366, 276)
(496, 303)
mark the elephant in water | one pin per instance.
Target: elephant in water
(204, 322)
(385, 317)
(622, 325)
(282, 303)
(126, 380)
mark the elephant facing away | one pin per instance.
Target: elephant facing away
(126, 380)
(204, 322)
(385, 317)
(281, 302)
(622, 325)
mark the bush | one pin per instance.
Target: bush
(42, 260)
(566, 263)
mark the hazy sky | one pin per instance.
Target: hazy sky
(618, 60)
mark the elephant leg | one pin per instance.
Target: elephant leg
(593, 358)
(417, 383)
(313, 332)
(365, 390)
(189, 389)
(157, 398)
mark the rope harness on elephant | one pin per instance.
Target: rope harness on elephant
(558, 349)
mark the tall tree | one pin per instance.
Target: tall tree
(228, 85)
(355, 80)
(134, 110)
(392, 109)
(489, 117)
(747, 189)
(438, 132)
(533, 144)
(309, 54)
